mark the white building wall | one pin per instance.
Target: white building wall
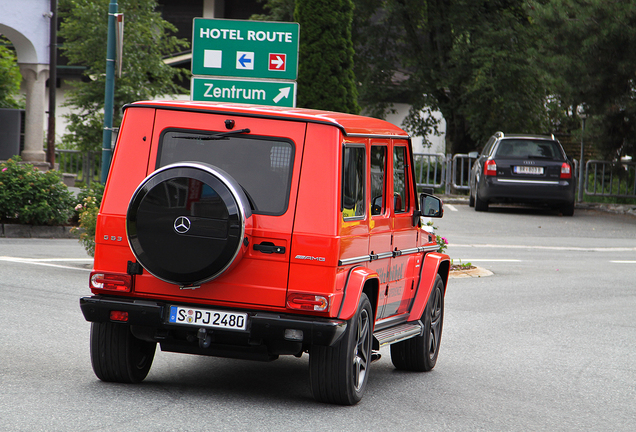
(438, 142)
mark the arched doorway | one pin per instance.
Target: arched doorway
(26, 25)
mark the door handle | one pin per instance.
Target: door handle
(269, 248)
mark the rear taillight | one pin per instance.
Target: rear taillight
(566, 171)
(120, 316)
(490, 168)
(308, 302)
(119, 282)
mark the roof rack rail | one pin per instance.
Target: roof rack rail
(499, 134)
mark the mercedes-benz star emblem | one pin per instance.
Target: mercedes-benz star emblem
(182, 224)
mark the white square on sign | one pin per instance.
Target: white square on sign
(212, 58)
(244, 60)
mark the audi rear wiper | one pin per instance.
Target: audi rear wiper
(218, 136)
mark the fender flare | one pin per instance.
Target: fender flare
(434, 263)
(354, 286)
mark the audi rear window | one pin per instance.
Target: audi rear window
(529, 149)
(262, 166)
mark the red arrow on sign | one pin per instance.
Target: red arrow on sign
(277, 62)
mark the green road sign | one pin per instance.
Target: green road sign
(260, 92)
(246, 49)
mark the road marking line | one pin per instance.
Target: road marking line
(450, 207)
(561, 248)
(623, 262)
(46, 262)
(490, 260)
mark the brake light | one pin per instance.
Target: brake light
(308, 302)
(490, 168)
(566, 171)
(119, 282)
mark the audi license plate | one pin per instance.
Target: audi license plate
(207, 318)
(529, 170)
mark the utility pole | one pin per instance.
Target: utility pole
(50, 138)
(109, 94)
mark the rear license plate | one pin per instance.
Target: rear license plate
(529, 170)
(207, 318)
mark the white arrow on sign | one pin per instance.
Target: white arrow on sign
(278, 62)
(283, 93)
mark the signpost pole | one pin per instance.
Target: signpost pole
(109, 93)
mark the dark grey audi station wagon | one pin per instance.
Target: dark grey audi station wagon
(529, 169)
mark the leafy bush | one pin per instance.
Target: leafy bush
(29, 196)
(442, 242)
(90, 200)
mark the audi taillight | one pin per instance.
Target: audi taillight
(566, 171)
(119, 282)
(490, 168)
(308, 302)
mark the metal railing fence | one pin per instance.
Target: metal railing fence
(462, 164)
(610, 179)
(86, 165)
(432, 170)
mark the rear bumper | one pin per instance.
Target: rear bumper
(261, 325)
(532, 191)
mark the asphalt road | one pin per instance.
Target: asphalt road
(545, 343)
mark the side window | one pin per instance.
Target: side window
(353, 180)
(488, 147)
(378, 179)
(400, 196)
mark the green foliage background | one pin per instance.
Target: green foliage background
(524, 66)
(29, 196)
(145, 76)
(10, 78)
(325, 73)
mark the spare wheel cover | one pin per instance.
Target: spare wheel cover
(186, 223)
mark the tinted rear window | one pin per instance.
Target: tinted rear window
(262, 166)
(513, 148)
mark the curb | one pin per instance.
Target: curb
(35, 231)
(474, 272)
(627, 209)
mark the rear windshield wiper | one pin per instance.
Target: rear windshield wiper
(217, 136)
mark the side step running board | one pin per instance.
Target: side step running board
(398, 333)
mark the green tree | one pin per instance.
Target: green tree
(278, 10)
(587, 47)
(472, 60)
(10, 78)
(84, 28)
(325, 71)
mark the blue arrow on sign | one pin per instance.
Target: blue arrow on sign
(244, 60)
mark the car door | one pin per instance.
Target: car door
(399, 274)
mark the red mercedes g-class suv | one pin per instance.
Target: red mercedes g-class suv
(253, 232)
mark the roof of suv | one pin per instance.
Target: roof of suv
(350, 124)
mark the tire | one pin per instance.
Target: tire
(339, 374)
(420, 353)
(568, 209)
(187, 223)
(471, 198)
(118, 356)
(480, 205)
